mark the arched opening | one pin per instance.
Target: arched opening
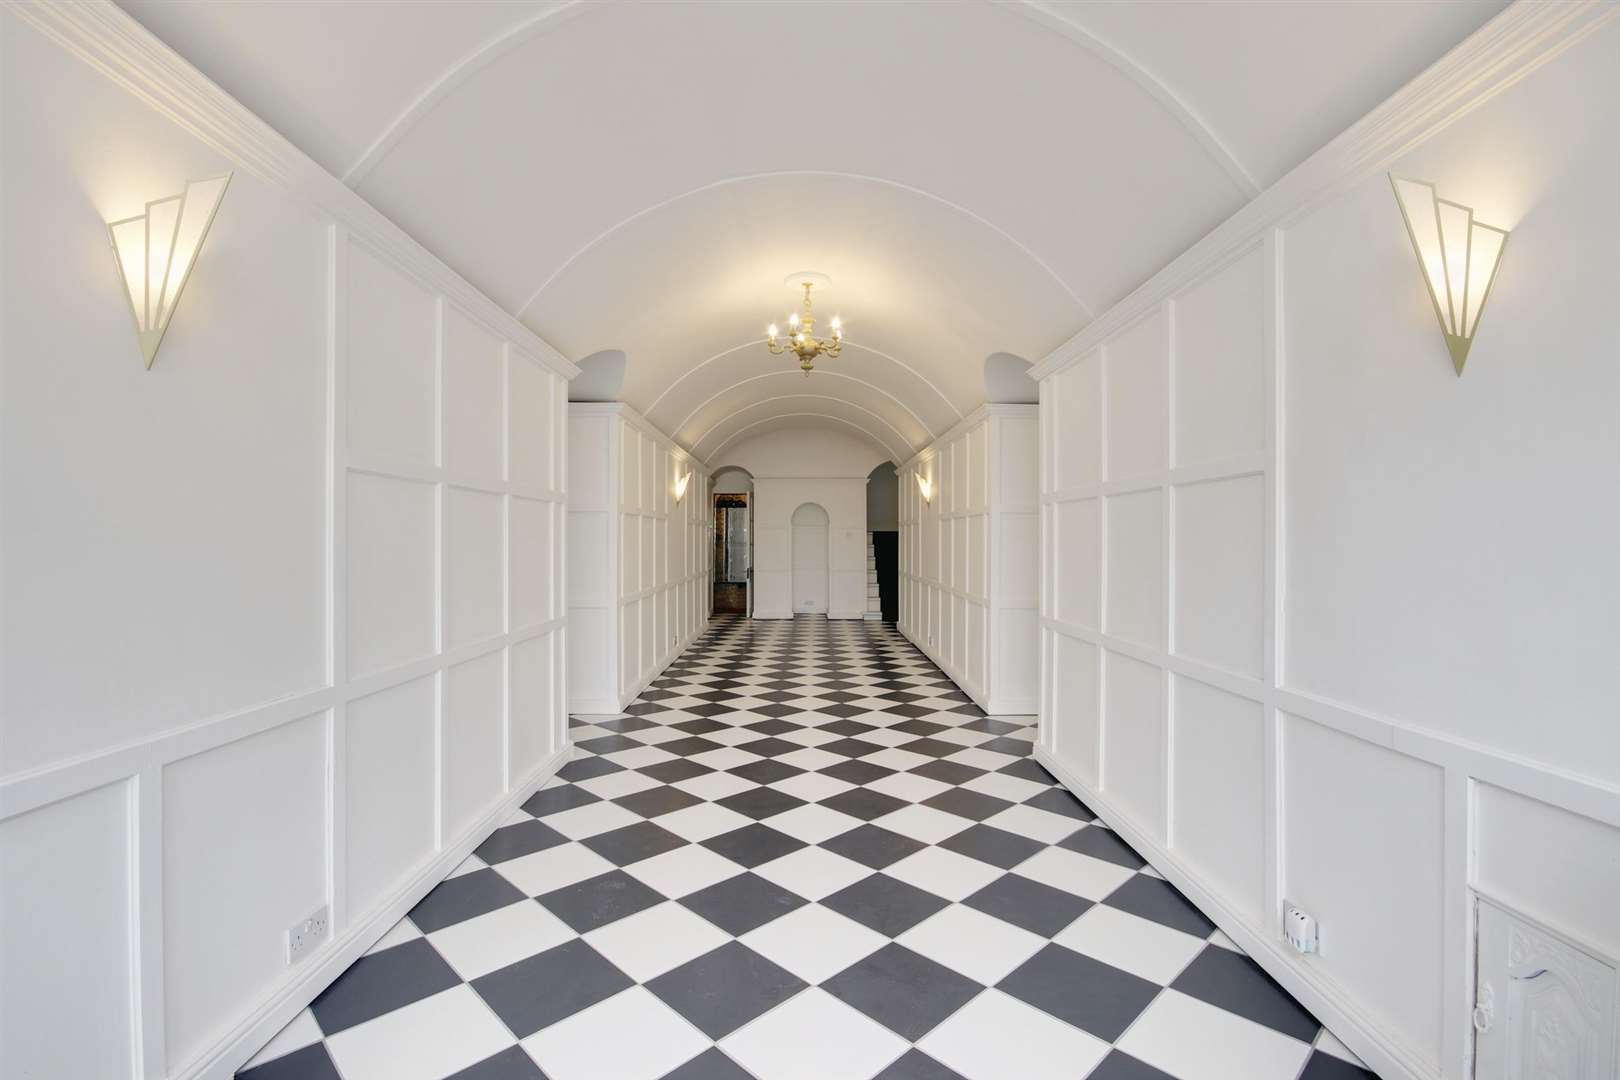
(883, 542)
(810, 525)
(733, 541)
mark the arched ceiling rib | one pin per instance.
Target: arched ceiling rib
(711, 440)
(977, 178)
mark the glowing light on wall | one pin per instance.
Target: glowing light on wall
(157, 251)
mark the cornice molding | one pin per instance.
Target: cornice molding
(102, 35)
(640, 423)
(1509, 47)
(967, 423)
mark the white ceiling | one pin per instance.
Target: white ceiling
(976, 177)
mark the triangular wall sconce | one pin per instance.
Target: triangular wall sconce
(1458, 257)
(156, 252)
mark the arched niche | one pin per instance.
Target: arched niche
(600, 378)
(1007, 381)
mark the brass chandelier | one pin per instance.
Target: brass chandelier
(801, 337)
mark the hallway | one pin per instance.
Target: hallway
(803, 853)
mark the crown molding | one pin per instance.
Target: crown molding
(972, 419)
(640, 423)
(109, 40)
(1518, 41)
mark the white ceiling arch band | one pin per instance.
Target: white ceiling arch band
(687, 419)
(784, 371)
(1128, 66)
(905, 442)
(779, 173)
(760, 342)
(822, 417)
(458, 73)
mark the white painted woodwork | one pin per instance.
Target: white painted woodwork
(282, 616)
(969, 569)
(810, 569)
(639, 563)
(1321, 620)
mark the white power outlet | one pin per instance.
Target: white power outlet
(1299, 928)
(307, 934)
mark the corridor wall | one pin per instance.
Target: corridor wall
(640, 563)
(282, 616)
(1324, 622)
(969, 556)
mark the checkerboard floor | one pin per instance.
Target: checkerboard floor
(803, 853)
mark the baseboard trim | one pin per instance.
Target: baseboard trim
(286, 1002)
(951, 672)
(1381, 1050)
(1013, 707)
(658, 669)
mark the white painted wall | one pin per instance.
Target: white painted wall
(793, 464)
(1322, 620)
(639, 563)
(969, 557)
(282, 617)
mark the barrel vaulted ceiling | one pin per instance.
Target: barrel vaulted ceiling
(977, 178)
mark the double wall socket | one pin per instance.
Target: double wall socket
(306, 935)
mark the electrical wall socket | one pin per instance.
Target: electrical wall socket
(306, 935)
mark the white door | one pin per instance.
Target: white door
(1543, 1007)
(810, 559)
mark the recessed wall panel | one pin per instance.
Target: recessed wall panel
(534, 427)
(393, 567)
(1076, 722)
(1220, 364)
(390, 770)
(1078, 436)
(474, 566)
(531, 726)
(244, 857)
(1220, 573)
(1138, 400)
(532, 563)
(1077, 562)
(474, 399)
(1136, 567)
(1133, 739)
(1219, 771)
(474, 707)
(392, 357)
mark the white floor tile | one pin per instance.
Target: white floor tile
(813, 823)
(542, 871)
(1194, 1041)
(810, 758)
(813, 872)
(1012, 788)
(923, 823)
(651, 942)
(908, 786)
(1069, 870)
(624, 782)
(467, 866)
(590, 819)
(814, 942)
(944, 873)
(640, 757)
(714, 785)
(899, 760)
(703, 820)
(812, 787)
(1036, 824)
(727, 757)
(1218, 938)
(630, 1036)
(982, 759)
(683, 870)
(425, 1040)
(398, 934)
(504, 936)
(813, 1037)
(1326, 1043)
(983, 948)
(300, 1032)
(995, 1037)
(1140, 946)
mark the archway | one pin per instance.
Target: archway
(810, 525)
(733, 541)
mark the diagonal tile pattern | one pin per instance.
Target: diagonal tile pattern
(803, 853)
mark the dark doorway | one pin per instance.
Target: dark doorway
(731, 554)
(886, 548)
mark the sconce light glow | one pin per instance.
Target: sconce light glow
(1458, 256)
(680, 485)
(157, 251)
(925, 487)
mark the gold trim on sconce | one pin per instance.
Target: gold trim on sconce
(1458, 256)
(156, 252)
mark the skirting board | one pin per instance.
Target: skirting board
(939, 661)
(1012, 707)
(246, 1038)
(1382, 1051)
(630, 695)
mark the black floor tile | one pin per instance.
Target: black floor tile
(872, 845)
(310, 1063)
(1237, 984)
(723, 989)
(1119, 1065)
(382, 982)
(1103, 844)
(753, 845)
(885, 904)
(1087, 993)
(916, 1065)
(632, 843)
(524, 838)
(554, 800)
(597, 901)
(904, 991)
(539, 991)
(864, 803)
(739, 904)
(510, 1064)
(998, 847)
(1037, 908)
(1158, 900)
(461, 898)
